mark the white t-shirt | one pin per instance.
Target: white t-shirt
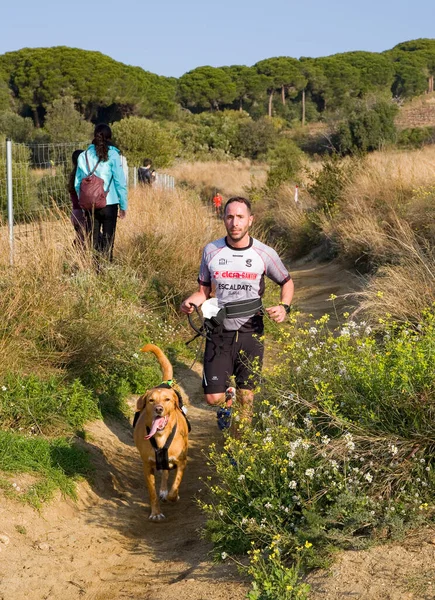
(238, 273)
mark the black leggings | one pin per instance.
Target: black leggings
(101, 225)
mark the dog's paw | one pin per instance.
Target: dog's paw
(163, 495)
(173, 497)
(158, 517)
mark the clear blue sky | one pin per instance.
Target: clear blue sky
(170, 37)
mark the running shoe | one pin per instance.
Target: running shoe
(223, 414)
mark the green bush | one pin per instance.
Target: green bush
(341, 448)
(285, 161)
(328, 184)
(18, 129)
(141, 138)
(32, 405)
(416, 137)
(368, 127)
(64, 123)
(256, 138)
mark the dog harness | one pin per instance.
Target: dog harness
(162, 456)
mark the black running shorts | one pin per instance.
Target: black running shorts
(231, 353)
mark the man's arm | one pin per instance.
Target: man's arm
(278, 313)
(197, 298)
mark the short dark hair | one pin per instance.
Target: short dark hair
(244, 201)
(147, 162)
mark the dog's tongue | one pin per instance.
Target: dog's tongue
(159, 423)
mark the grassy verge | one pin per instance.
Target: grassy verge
(52, 464)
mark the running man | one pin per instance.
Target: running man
(217, 203)
(235, 266)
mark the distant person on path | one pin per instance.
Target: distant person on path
(234, 267)
(217, 203)
(146, 174)
(77, 215)
(105, 156)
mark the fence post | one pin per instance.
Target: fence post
(10, 199)
(134, 177)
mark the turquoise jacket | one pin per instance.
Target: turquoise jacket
(111, 167)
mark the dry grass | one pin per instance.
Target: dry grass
(229, 178)
(406, 289)
(385, 225)
(384, 195)
(57, 312)
(392, 176)
(286, 223)
(163, 237)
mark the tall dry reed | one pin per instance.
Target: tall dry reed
(384, 223)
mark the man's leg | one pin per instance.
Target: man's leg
(218, 367)
(247, 368)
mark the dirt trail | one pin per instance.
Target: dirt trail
(104, 547)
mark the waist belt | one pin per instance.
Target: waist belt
(234, 310)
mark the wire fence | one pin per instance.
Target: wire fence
(34, 181)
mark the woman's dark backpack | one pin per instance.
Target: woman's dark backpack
(92, 193)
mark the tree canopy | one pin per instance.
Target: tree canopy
(295, 90)
(206, 88)
(38, 76)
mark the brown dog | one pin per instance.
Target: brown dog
(161, 423)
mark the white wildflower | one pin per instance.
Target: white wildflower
(309, 473)
(368, 477)
(393, 449)
(293, 485)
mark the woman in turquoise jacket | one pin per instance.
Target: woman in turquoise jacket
(101, 222)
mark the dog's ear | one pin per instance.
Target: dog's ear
(177, 397)
(140, 404)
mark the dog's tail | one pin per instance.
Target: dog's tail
(167, 370)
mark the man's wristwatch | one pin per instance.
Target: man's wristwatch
(286, 306)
